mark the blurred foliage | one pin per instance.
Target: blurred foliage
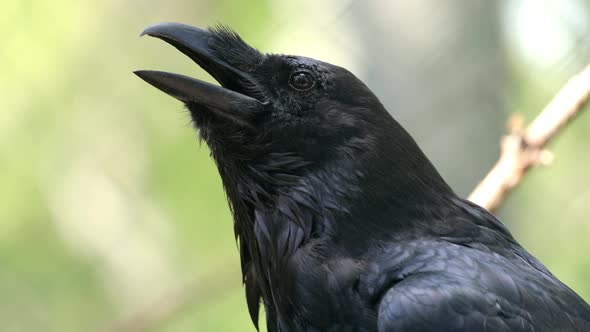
(109, 203)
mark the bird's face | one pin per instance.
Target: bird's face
(267, 102)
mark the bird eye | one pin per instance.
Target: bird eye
(301, 80)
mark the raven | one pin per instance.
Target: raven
(343, 224)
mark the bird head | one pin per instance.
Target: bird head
(267, 101)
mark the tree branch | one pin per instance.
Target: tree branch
(523, 149)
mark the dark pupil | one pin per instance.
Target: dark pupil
(301, 81)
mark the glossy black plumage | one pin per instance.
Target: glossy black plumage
(343, 224)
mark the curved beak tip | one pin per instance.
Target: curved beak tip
(169, 29)
(154, 27)
(149, 30)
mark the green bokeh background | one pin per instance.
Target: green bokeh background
(112, 215)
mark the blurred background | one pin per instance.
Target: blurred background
(112, 215)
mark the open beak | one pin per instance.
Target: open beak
(225, 100)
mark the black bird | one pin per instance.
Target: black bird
(343, 224)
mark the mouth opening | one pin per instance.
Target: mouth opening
(238, 97)
(195, 43)
(227, 76)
